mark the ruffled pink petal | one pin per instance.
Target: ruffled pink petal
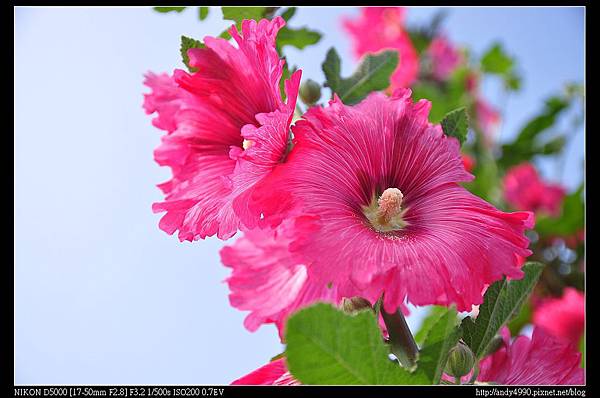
(267, 281)
(454, 241)
(382, 28)
(274, 373)
(541, 360)
(267, 147)
(204, 114)
(562, 317)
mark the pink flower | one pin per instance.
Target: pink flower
(445, 58)
(382, 28)
(525, 190)
(562, 317)
(274, 373)
(227, 128)
(541, 360)
(387, 214)
(487, 119)
(267, 280)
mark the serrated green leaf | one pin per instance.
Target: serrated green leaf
(328, 347)
(298, 38)
(443, 334)
(456, 124)
(372, 74)
(496, 61)
(186, 44)
(203, 13)
(501, 301)
(169, 9)
(238, 14)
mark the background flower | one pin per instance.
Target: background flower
(525, 190)
(562, 317)
(382, 28)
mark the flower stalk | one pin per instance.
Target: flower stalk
(402, 342)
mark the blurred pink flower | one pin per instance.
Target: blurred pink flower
(274, 373)
(382, 28)
(227, 128)
(562, 317)
(487, 119)
(525, 190)
(541, 360)
(267, 281)
(381, 185)
(445, 58)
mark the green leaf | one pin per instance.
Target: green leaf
(238, 14)
(298, 38)
(326, 346)
(526, 144)
(571, 219)
(202, 13)
(288, 14)
(186, 44)
(456, 124)
(372, 74)
(496, 61)
(169, 9)
(501, 301)
(434, 315)
(521, 319)
(443, 334)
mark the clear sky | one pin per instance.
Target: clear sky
(102, 296)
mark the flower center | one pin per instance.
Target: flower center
(247, 144)
(385, 214)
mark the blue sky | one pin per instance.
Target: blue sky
(101, 294)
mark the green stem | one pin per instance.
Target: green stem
(457, 380)
(402, 342)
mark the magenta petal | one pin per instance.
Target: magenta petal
(455, 241)
(541, 360)
(205, 115)
(274, 373)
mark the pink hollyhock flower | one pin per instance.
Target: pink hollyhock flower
(227, 128)
(382, 28)
(525, 190)
(541, 360)
(388, 214)
(562, 317)
(445, 58)
(487, 118)
(267, 280)
(274, 373)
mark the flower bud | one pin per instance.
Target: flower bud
(355, 304)
(460, 360)
(310, 92)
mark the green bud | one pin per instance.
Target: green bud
(355, 304)
(310, 92)
(460, 360)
